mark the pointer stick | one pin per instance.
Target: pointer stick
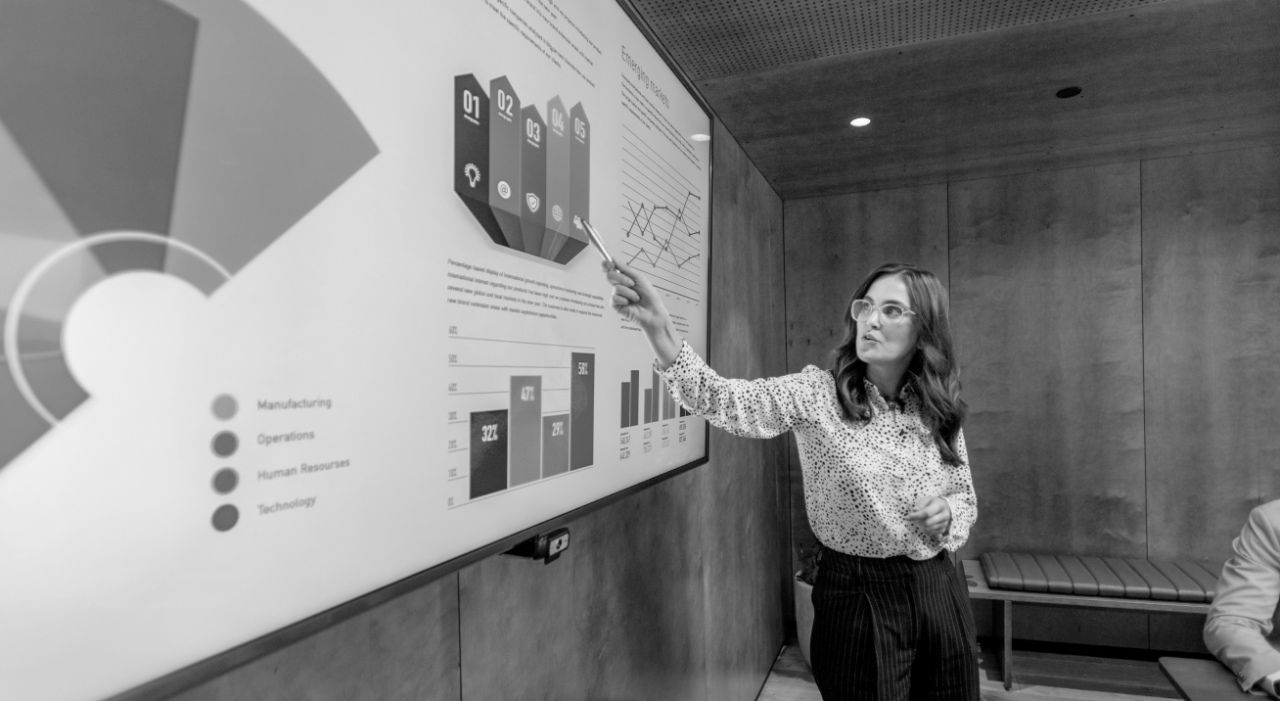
(596, 241)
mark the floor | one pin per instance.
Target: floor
(791, 680)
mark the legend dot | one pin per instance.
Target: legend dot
(225, 407)
(225, 518)
(225, 480)
(225, 444)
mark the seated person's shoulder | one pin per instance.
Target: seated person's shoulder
(1266, 516)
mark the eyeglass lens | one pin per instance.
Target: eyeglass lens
(889, 313)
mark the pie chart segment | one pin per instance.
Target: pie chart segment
(262, 147)
(95, 92)
(182, 137)
(33, 227)
(27, 208)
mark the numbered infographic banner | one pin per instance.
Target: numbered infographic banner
(297, 302)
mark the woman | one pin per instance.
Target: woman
(886, 479)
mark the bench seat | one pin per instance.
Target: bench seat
(1163, 580)
(1039, 593)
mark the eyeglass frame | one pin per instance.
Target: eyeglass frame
(876, 309)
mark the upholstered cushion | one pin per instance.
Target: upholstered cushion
(1091, 576)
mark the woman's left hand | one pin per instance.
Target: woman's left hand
(932, 514)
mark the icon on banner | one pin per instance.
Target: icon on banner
(533, 201)
(557, 213)
(472, 173)
(504, 189)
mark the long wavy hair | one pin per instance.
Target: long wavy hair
(932, 369)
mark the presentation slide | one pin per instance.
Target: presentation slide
(297, 301)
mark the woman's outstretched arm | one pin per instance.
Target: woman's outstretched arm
(753, 409)
(635, 298)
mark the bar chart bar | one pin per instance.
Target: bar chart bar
(648, 405)
(526, 429)
(635, 397)
(582, 410)
(555, 444)
(626, 405)
(488, 452)
(657, 397)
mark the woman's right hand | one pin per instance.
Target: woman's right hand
(637, 301)
(634, 297)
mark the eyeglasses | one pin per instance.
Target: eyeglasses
(890, 314)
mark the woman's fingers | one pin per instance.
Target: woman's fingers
(626, 293)
(617, 278)
(932, 514)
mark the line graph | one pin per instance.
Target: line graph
(664, 244)
(662, 219)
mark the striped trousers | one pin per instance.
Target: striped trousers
(892, 629)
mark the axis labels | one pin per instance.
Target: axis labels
(526, 180)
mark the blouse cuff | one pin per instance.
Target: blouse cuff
(684, 360)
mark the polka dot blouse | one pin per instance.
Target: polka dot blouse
(861, 478)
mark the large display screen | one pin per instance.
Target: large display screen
(297, 303)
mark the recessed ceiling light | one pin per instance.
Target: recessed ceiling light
(860, 122)
(700, 137)
(1070, 92)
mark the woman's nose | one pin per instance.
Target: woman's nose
(874, 320)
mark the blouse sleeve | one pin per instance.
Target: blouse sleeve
(750, 408)
(961, 499)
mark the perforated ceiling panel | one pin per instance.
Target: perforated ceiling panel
(713, 38)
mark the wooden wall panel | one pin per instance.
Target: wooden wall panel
(831, 244)
(1046, 278)
(1046, 293)
(403, 650)
(1211, 290)
(673, 593)
(619, 615)
(745, 550)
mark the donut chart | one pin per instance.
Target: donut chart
(143, 135)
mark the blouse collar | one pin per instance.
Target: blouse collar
(880, 403)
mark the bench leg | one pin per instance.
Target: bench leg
(1003, 611)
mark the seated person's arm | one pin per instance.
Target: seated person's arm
(1271, 684)
(1241, 617)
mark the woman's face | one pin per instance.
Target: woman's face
(881, 344)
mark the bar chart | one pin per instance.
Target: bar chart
(658, 404)
(514, 425)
